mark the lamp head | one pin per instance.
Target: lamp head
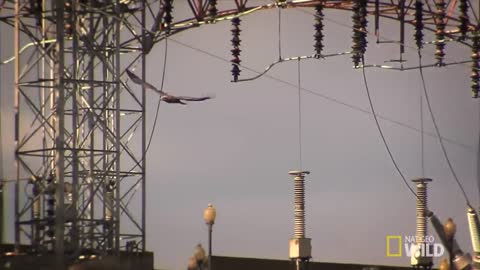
(210, 214)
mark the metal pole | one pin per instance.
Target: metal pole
(144, 138)
(1, 162)
(16, 46)
(210, 229)
(60, 139)
(117, 136)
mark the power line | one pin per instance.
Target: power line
(380, 130)
(159, 98)
(155, 119)
(478, 156)
(437, 130)
(422, 139)
(279, 33)
(326, 97)
(299, 117)
(2, 174)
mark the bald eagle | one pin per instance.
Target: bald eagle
(163, 95)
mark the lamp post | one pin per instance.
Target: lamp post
(209, 216)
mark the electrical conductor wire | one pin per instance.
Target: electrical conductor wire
(437, 130)
(299, 117)
(380, 129)
(156, 116)
(312, 92)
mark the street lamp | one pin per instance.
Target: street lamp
(209, 216)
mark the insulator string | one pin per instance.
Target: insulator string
(319, 29)
(464, 18)
(212, 10)
(419, 23)
(475, 74)
(440, 33)
(359, 38)
(168, 9)
(236, 48)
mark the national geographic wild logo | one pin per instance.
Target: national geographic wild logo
(396, 244)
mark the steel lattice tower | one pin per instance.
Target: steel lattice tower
(75, 117)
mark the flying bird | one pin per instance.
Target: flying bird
(163, 95)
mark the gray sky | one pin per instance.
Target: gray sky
(235, 151)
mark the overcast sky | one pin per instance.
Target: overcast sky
(235, 151)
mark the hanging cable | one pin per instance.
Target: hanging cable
(154, 121)
(279, 34)
(323, 96)
(437, 130)
(478, 156)
(2, 174)
(159, 99)
(380, 130)
(422, 136)
(158, 107)
(299, 116)
(419, 42)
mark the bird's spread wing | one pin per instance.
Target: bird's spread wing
(139, 81)
(194, 98)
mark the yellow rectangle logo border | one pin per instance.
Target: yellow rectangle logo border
(389, 238)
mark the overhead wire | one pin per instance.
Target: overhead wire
(1, 129)
(152, 132)
(437, 131)
(324, 96)
(434, 123)
(478, 155)
(159, 98)
(380, 131)
(422, 137)
(298, 84)
(299, 117)
(279, 33)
